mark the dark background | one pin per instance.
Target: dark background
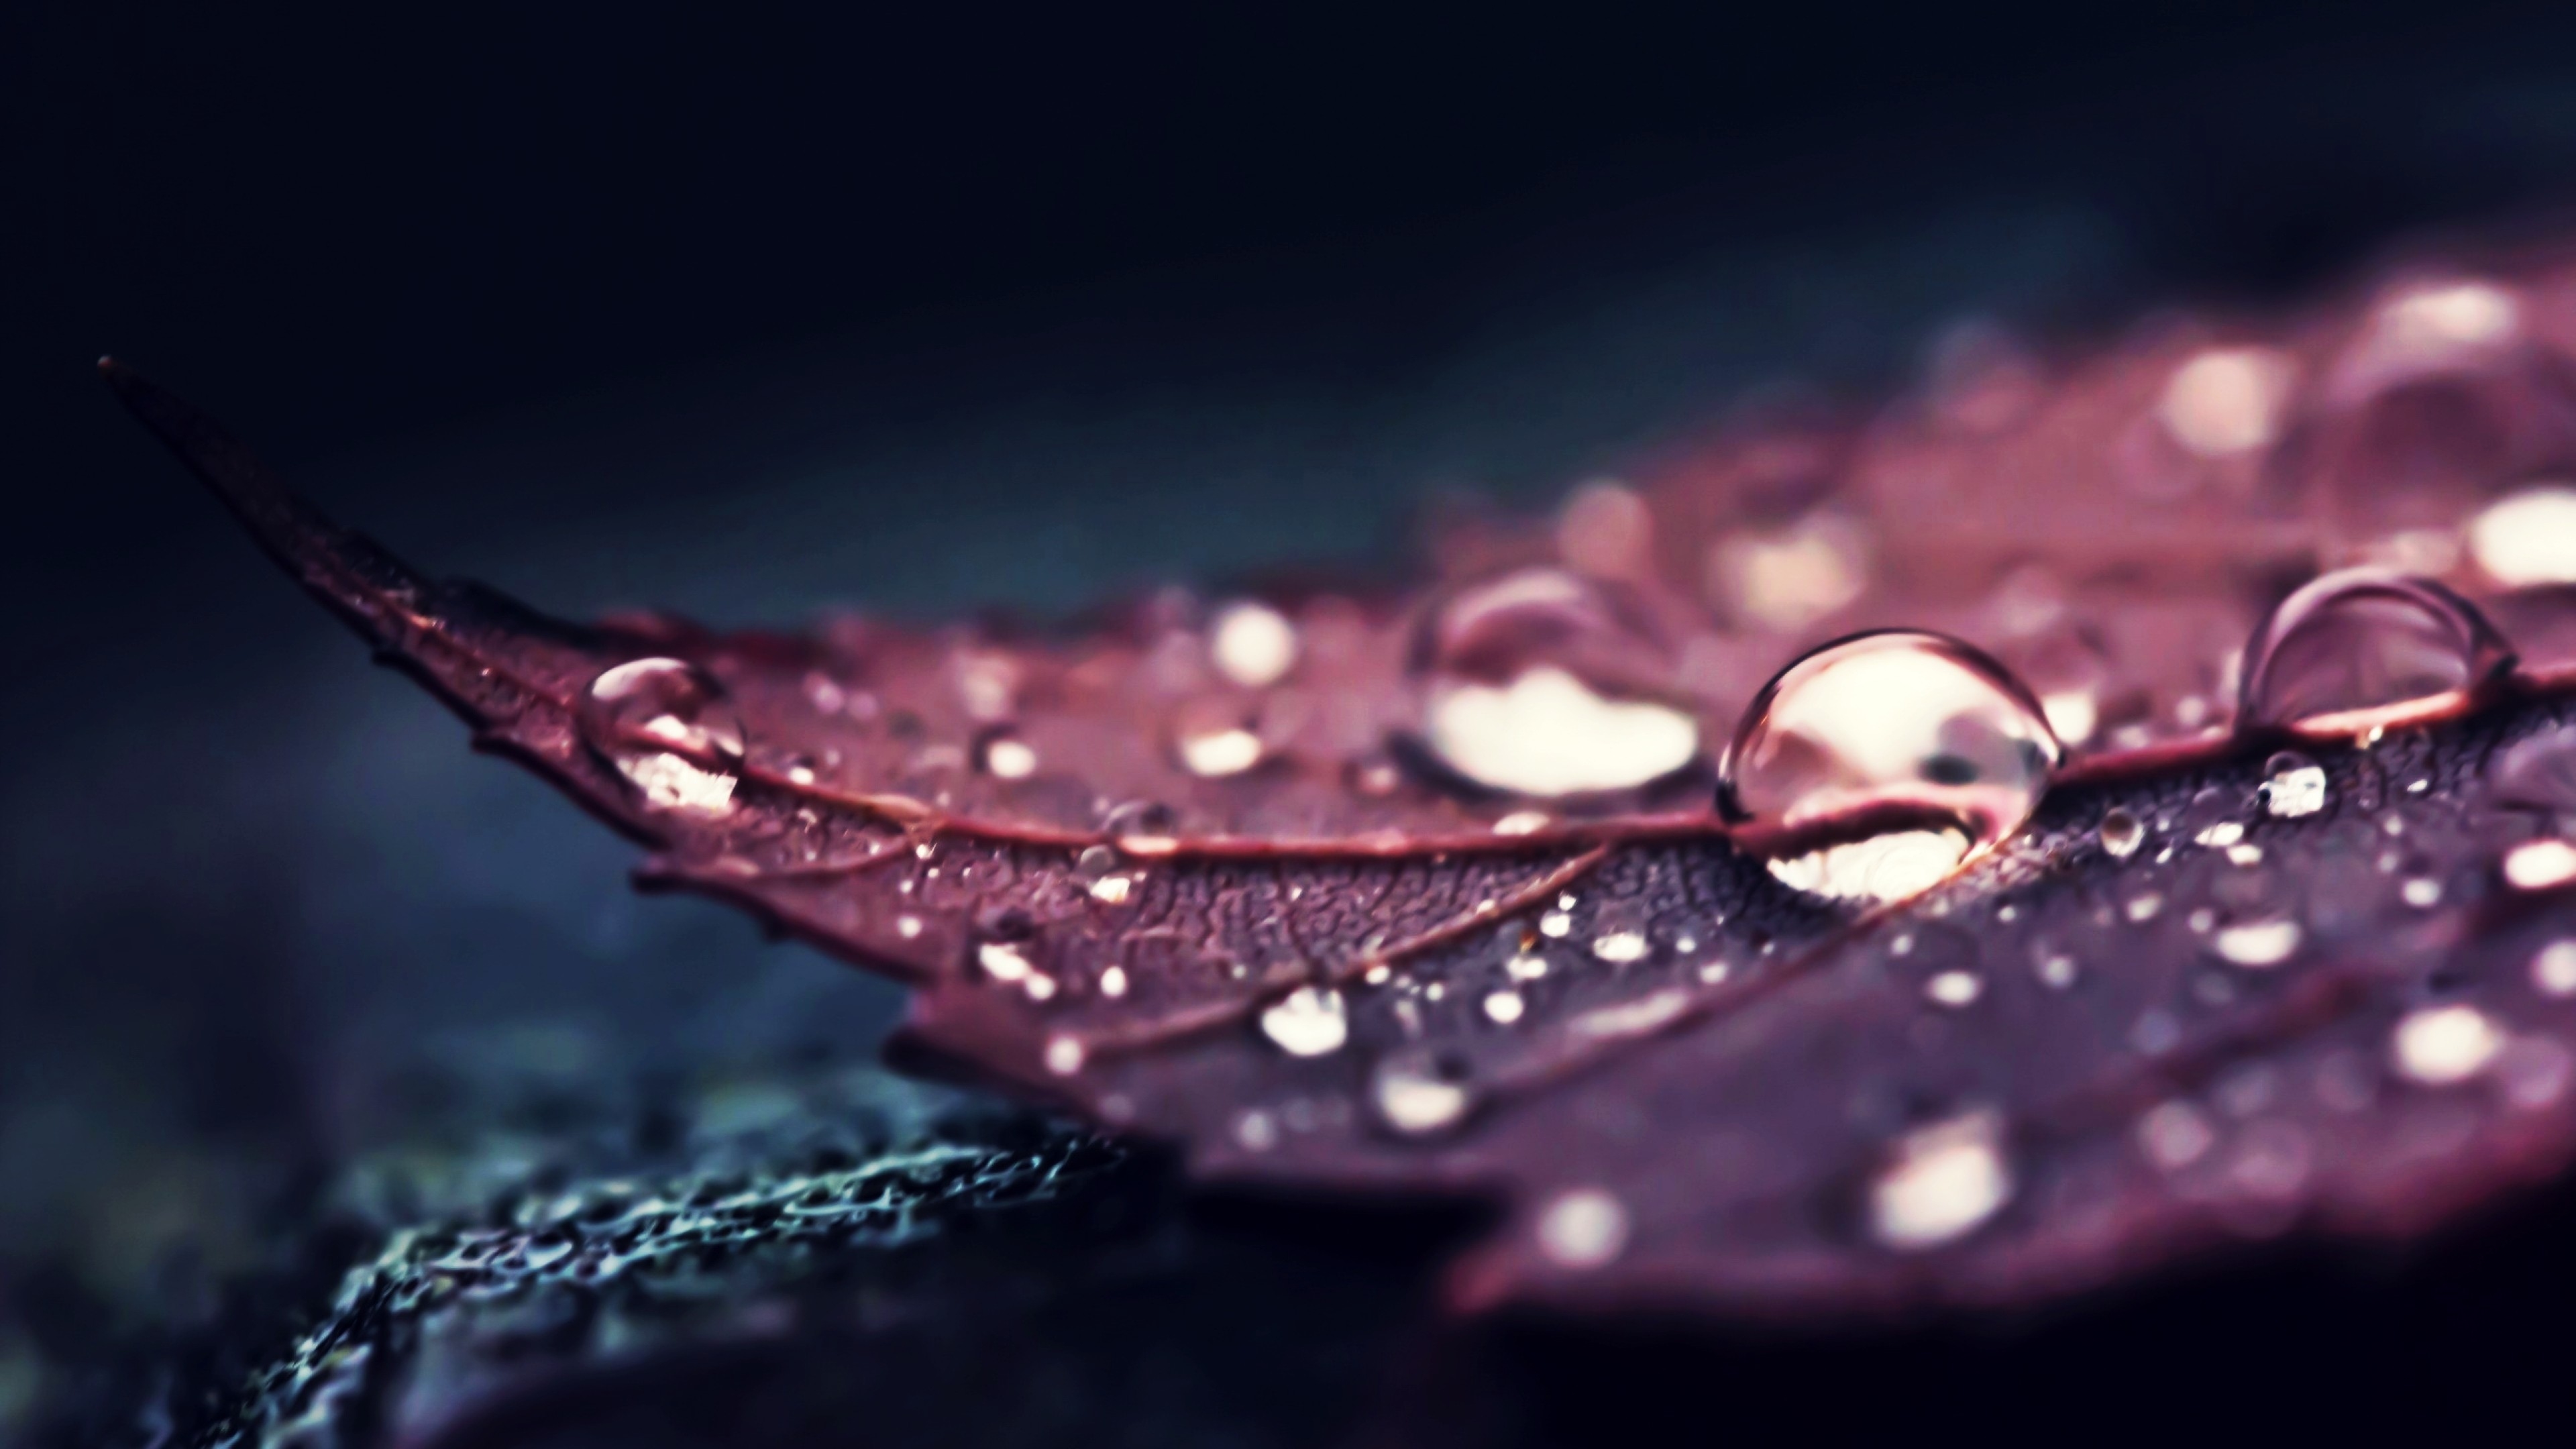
(748, 315)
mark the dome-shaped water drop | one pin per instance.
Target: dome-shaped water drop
(2363, 648)
(665, 725)
(1900, 717)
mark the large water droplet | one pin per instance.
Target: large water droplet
(664, 725)
(1893, 718)
(1542, 683)
(2360, 649)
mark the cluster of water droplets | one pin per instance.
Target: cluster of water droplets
(1958, 752)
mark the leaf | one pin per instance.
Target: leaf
(1433, 895)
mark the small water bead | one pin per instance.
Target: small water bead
(1252, 644)
(2527, 539)
(1954, 988)
(664, 724)
(1543, 683)
(1311, 1021)
(2538, 772)
(2553, 969)
(2226, 401)
(2363, 649)
(2175, 1134)
(2257, 944)
(1621, 948)
(1002, 754)
(1584, 1227)
(1940, 1183)
(1893, 718)
(1504, 1007)
(1416, 1094)
(2122, 833)
(2441, 1046)
(2293, 786)
(2540, 865)
(1213, 746)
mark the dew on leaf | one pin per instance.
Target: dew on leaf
(1940, 1182)
(1414, 1095)
(1543, 683)
(1252, 644)
(2527, 539)
(1311, 1021)
(2121, 833)
(666, 726)
(1582, 1228)
(2443, 1045)
(2362, 649)
(1893, 718)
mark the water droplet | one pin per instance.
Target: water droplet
(2527, 539)
(2553, 969)
(1095, 861)
(2143, 906)
(1582, 1228)
(2540, 865)
(1416, 1094)
(665, 726)
(1505, 1007)
(1002, 754)
(1524, 822)
(2122, 833)
(2366, 648)
(1526, 968)
(2538, 772)
(1941, 1182)
(1898, 717)
(1143, 827)
(2221, 835)
(1555, 924)
(1543, 683)
(1113, 981)
(1252, 644)
(1064, 1055)
(2226, 401)
(2443, 1045)
(1007, 962)
(1256, 1131)
(2423, 893)
(1606, 530)
(2257, 944)
(1787, 579)
(1311, 1021)
(1620, 948)
(1955, 988)
(1214, 746)
(2293, 786)
(1113, 890)
(2174, 1135)
(2056, 969)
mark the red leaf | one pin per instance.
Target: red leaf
(1434, 895)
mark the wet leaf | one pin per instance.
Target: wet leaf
(1435, 893)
